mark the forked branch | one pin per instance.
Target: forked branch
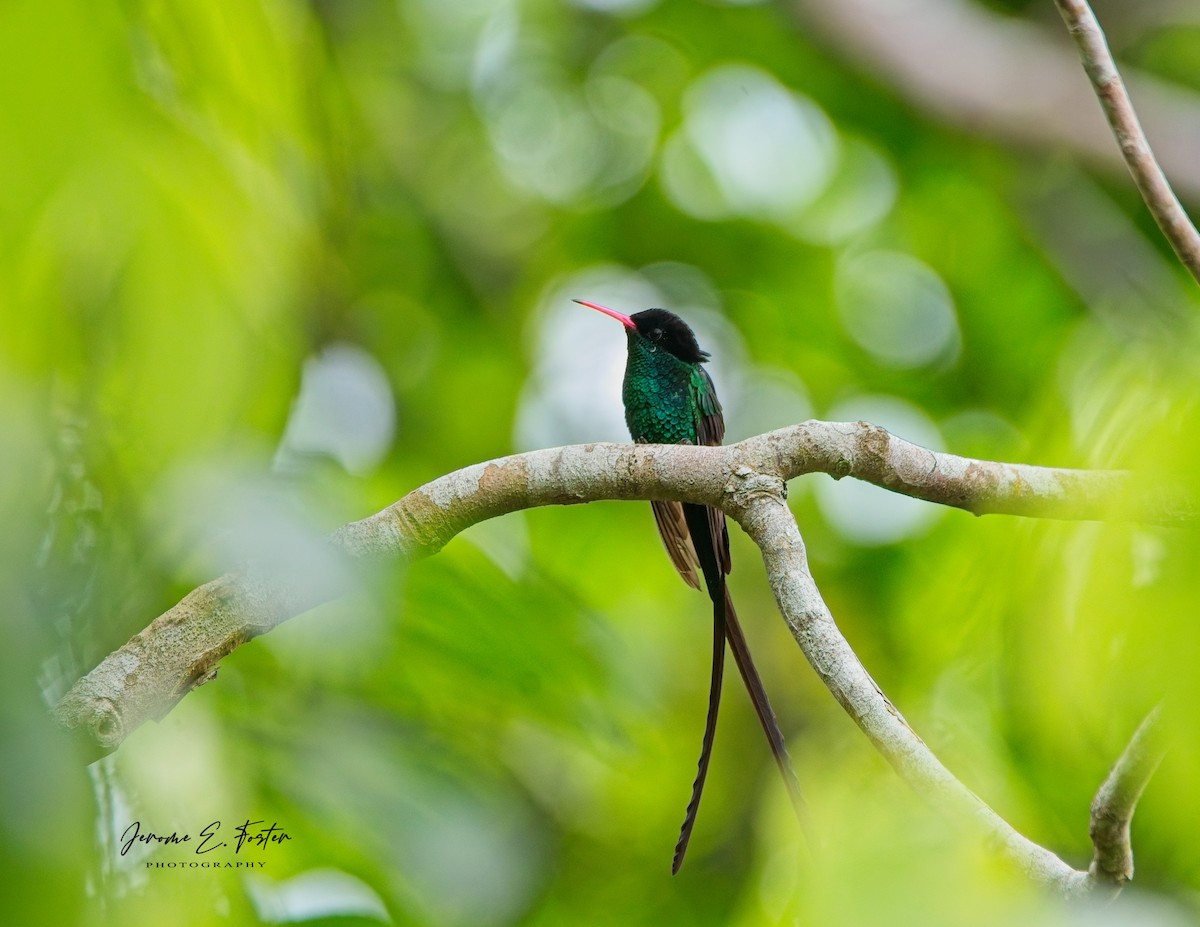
(762, 512)
(181, 648)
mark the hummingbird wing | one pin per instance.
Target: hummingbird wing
(710, 423)
(709, 542)
(673, 529)
(710, 430)
(672, 525)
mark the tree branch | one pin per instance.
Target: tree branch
(1149, 178)
(181, 648)
(768, 521)
(982, 487)
(760, 508)
(1114, 804)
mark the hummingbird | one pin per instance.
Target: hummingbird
(669, 398)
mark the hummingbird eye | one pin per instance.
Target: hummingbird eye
(657, 334)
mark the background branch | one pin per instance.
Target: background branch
(1149, 178)
(1002, 77)
(1113, 807)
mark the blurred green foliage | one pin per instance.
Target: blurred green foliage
(266, 266)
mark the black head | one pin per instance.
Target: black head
(668, 331)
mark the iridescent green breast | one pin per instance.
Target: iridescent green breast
(659, 405)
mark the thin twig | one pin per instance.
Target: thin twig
(1151, 182)
(1113, 806)
(1003, 77)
